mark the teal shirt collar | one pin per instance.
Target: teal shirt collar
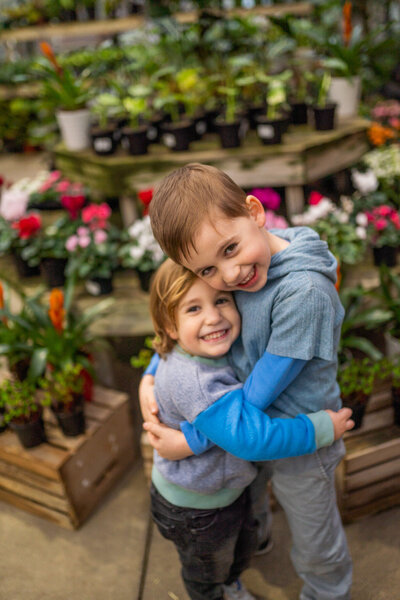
(212, 362)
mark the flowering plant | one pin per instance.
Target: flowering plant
(383, 226)
(18, 235)
(145, 197)
(50, 242)
(139, 249)
(386, 122)
(93, 246)
(55, 191)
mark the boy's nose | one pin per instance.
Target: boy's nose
(231, 274)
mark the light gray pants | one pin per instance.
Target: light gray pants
(304, 486)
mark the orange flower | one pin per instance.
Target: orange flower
(4, 319)
(57, 312)
(338, 276)
(378, 134)
(48, 52)
(347, 26)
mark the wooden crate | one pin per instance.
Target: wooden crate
(368, 478)
(64, 479)
(147, 456)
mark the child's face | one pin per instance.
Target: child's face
(232, 253)
(207, 321)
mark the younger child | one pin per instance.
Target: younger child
(291, 315)
(201, 502)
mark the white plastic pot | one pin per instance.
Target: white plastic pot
(74, 126)
(345, 92)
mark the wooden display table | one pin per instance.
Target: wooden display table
(305, 156)
(65, 478)
(368, 478)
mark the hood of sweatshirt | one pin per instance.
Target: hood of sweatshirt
(306, 252)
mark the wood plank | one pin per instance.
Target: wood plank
(372, 421)
(45, 459)
(371, 449)
(107, 397)
(33, 479)
(111, 27)
(373, 492)
(97, 412)
(35, 494)
(36, 509)
(379, 400)
(372, 507)
(372, 475)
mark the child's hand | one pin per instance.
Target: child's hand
(169, 443)
(341, 421)
(148, 404)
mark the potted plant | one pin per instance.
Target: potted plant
(16, 236)
(390, 369)
(140, 251)
(134, 136)
(230, 125)
(324, 111)
(102, 135)
(388, 294)
(23, 411)
(271, 126)
(63, 391)
(92, 249)
(356, 379)
(69, 94)
(384, 233)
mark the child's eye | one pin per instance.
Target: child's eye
(206, 272)
(193, 309)
(222, 300)
(231, 248)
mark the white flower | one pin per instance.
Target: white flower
(13, 204)
(347, 204)
(366, 183)
(361, 219)
(361, 233)
(136, 252)
(341, 216)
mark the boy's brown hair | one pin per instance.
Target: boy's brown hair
(185, 198)
(170, 283)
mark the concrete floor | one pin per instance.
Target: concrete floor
(118, 555)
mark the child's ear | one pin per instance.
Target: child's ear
(172, 332)
(256, 210)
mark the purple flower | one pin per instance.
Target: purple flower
(268, 197)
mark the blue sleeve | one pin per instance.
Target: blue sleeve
(245, 431)
(152, 367)
(270, 376)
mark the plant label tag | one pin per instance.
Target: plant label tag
(152, 133)
(92, 287)
(265, 131)
(201, 127)
(243, 129)
(169, 140)
(125, 143)
(102, 144)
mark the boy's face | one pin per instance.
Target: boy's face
(207, 321)
(232, 253)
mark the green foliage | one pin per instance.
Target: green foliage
(323, 85)
(62, 387)
(106, 106)
(142, 360)
(19, 400)
(341, 238)
(65, 90)
(390, 369)
(357, 376)
(389, 295)
(96, 259)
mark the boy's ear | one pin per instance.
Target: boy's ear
(256, 210)
(172, 332)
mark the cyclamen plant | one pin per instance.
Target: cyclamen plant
(383, 226)
(140, 250)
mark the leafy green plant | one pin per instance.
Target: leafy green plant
(389, 294)
(62, 388)
(356, 379)
(341, 238)
(323, 85)
(105, 107)
(136, 109)
(142, 360)
(390, 369)
(20, 401)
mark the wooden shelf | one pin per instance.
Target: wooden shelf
(115, 26)
(20, 90)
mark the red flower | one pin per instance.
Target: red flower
(73, 204)
(96, 215)
(1, 180)
(380, 224)
(48, 52)
(347, 26)
(395, 218)
(315, 198)
(27, 226)
(384, 210)
(145, 197)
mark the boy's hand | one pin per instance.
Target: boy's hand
(341, 421)
(169, 443)
(148, 404)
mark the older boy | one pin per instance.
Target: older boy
(292, 316)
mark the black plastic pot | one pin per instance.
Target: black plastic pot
(396, 405)
(154, 130)
(229, 134)
(53, 271)
(145, 279)
(385, 255)
(135, 141)
(99, 286)
(255, 111)
(103, 140)
(324, 118)
(210, 116)
(3, 425)
(30, 434)
(270, 131)
(72, 423)
(177, 136)
(357, 403)
(22, 267)
(20, 369)
(199, 127)
(298, 113)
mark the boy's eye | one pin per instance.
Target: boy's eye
(231, 248)
(206, 272)
(222, 300)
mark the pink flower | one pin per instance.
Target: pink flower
(54, 175)
(380, 224)
(268, 197)
(13, 204)
(84, 241)
(71, 243)
(96, 215)
(100, 236)
(315, 198)
(369, 216)
(63, 185)
(73, 204)
(395, 218)
(383, 211)
(45, 186)
(82, 231)
(273, 221)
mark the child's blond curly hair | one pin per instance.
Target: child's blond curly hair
(170, 283)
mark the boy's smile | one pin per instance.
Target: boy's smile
(207, 321)
(233, 253)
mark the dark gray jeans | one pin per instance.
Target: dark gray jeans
(214, 545)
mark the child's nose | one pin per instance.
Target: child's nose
(213, 315)
(231, 274)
